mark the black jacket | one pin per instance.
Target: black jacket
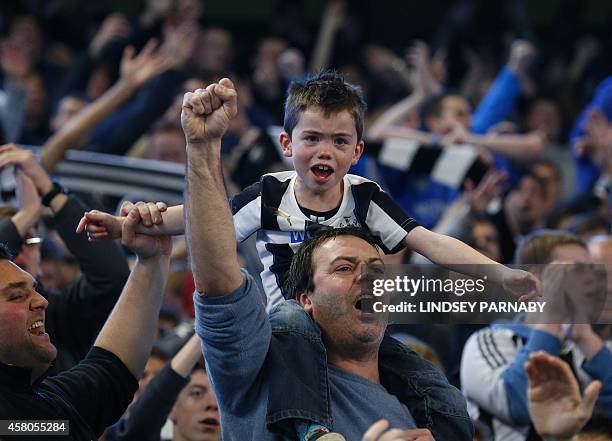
(91, 396)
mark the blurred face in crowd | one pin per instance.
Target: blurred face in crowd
(195, 413)
(486, 239)
(214, 50)
(584, 287)
(56, 274)
(36, 96)
(68, 107)
(544, 115)
(99, 81)
(168, 145)
(551, 179)
(25, 33)
(23, 340)
(269, 49)
(600, 249)
(526, 203)
(455, 108)
(335, 302)
(154, 365)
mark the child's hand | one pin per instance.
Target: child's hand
(100, 225)
(522, 284)
(104, 226)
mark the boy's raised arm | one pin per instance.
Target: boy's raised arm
(210, 230)
(454, 255)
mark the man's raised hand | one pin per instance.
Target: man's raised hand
(207, 112)
(555, 405)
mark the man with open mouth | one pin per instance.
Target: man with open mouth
(93, 394)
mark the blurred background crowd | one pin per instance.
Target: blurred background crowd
(528, 84)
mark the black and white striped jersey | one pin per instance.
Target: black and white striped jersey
(270, 209)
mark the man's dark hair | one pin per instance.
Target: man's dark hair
(5, 254)
(328, 90)
(301, 272)
(199, 366)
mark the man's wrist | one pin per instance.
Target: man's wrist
(51, 193)
(199, 144)
(155, 262)
(207, 151)
(45, 186)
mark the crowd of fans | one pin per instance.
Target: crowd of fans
(538, 123)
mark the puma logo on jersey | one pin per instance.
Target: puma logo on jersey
(280, 213)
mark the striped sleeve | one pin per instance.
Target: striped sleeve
(486, 356)
(382, 216)
(246, 209)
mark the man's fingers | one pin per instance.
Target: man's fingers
(215, 101)
(126, 207)
(161, 206)
(227, 92)
(99, 218)
(97, 237)
(128, 53)
(145, 213)
(591, 393)
(394, 435)
(206, 100)
(7, 148)
(192, 101)
(156, 216)
(81, 225)
(418, 435)
(532, 374)
(128, 231)
(95, 229)
(375, 430)
(148, 49)
(8, 158)
(197, 103)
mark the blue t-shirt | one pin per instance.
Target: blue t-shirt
(357, 403)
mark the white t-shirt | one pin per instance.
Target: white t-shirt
(270, 209)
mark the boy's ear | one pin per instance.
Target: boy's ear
(358, 151)
(304, 300)
(285, 142)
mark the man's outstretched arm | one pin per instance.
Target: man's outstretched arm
(130, 329)
(208, 219)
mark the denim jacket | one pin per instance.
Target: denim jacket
(296, 367)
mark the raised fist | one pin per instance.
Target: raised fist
(207, 112)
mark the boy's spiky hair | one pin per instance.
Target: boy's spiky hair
(328, 90)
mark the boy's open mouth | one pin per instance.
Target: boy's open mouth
(322, 171)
